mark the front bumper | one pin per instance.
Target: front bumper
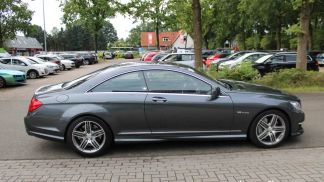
(297, 119)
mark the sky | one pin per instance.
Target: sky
(53, 16)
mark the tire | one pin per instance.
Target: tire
(2, 82)
(93, 146)
(265, 134)
(63, 67)
(32, 74)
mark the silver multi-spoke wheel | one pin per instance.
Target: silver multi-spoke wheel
(271, 129)
(88, 137)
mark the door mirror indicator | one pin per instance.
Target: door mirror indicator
(216, 92)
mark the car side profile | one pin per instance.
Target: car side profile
(11, 77)
(283, 61)
(179, 58)
(156, 102)
(32, 69)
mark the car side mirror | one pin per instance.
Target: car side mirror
(215, 93)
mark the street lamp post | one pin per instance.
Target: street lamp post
(45, 45)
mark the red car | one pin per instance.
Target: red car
(149, 56)
(216, 56)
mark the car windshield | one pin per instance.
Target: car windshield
(262, 59)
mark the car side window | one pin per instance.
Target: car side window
(186, 57)
(278, 59)
(129, 82)
(291, 58)
(18, 62)
(5, 61)
(173, 82)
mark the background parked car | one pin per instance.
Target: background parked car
(129, 55)
(248, 57)
(23, 64)
(148, 57)
(283, 61)
(49, 58)
(156, 58)
(11, 77)
(320, 59)
(64, 63)
(78, 61)
(233, 56)
(52, 67)
(180, 58)
(214, 57)
(88, 58)
(108, 55)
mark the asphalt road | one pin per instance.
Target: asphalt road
(16, 144)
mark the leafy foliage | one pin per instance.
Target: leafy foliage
(292, 78)
(243, 72)
(14, 16)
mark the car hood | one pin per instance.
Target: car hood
(11, 72)
(240, 86)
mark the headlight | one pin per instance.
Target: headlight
(296, 105)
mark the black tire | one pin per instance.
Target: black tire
(72, 141)
(63, 67)
(282, 137)
(32, 74)
(2, 82)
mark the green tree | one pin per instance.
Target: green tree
(107, 36)
(155, 11)
(90, 13)
(37, 32)
(14, 16)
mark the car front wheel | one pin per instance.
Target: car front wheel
(269, 129)
(89, 136)
(2, 83)
(32, 74)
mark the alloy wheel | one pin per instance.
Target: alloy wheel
(32, 75)
(88, 137)
(271, 129)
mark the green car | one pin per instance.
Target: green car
(11, 77)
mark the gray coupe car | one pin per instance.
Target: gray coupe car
(155, 102)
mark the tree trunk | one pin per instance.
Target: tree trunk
(96, 41)
(196, 9)
(157, 32)
(278, 34)
(303, 36)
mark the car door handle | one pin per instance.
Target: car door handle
(159, 99)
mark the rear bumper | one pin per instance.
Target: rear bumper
(47, 133)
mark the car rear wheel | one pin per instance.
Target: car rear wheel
(89, 136)
(2, 83)
(63, 67)
(32, 74)
(269, 129)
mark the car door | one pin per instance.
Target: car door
(185, 59)
(275, 63)
(19, 65)
(123, 97)
(178, 103)
(6, 63)
(290, 60)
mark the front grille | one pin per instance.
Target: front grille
(19, 77)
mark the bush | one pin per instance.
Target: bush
(242, 72)
(289, 78)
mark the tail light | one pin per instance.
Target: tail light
(34, 104)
